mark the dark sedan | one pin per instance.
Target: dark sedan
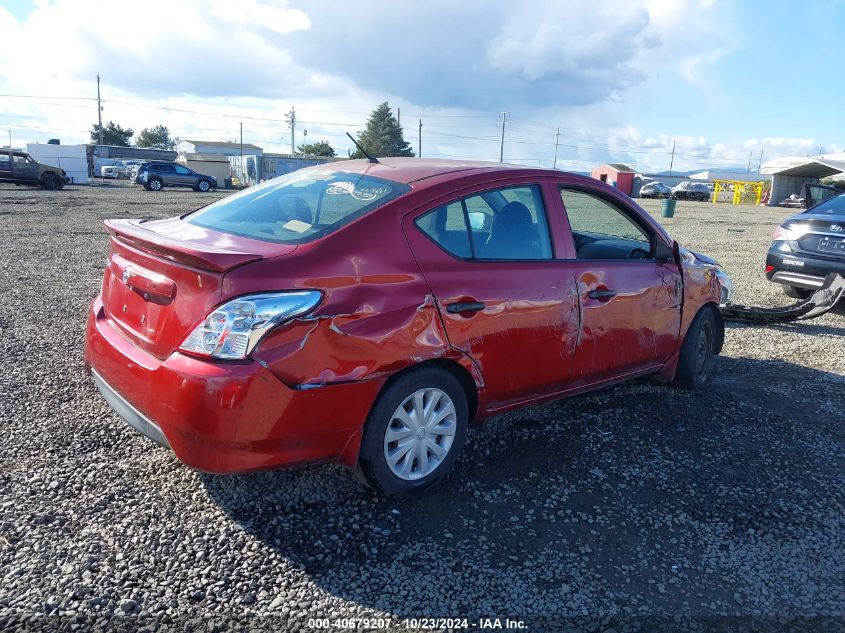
(807, 247)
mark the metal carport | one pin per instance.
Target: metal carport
(791, 173)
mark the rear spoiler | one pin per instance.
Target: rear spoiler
(204, 257)
(820, 302)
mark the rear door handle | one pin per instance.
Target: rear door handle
(457, 308)
(601, 294)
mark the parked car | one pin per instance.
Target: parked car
(130, 169)
(115, 170)
(155, 176)
(22, 169)
(690, 191)
(655, 190)
(807, 247)
(366, 313)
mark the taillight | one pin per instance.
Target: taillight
(791, 232)
(233, 330)
(769, 268)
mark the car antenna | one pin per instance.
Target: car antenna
(361, 149)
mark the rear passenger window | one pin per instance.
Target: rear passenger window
(446, 226)
(503, 224)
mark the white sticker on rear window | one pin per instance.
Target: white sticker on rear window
(297, 225)
(359, 193)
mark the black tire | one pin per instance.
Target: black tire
(796, 293)
(373, 468)
(698, 351)
(50, 182)
(155, 184)
(203, 186)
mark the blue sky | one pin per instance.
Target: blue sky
(622, 79)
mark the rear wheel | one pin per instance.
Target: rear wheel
(154, 184)
(414, 432)
(796, 293)
(698, 351)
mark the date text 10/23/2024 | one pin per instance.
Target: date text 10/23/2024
(417, 624)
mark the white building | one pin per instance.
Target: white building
(188, 146)
(723, 174)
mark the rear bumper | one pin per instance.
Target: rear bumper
(130, 414)
(798, 269)
(224, 417)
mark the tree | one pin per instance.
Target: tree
(157, 137)
(383, 136)
(836, 184)
(320, 148)
(113, 134)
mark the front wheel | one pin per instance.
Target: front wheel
(50, 182)
(154, 185)
(414, 432)
(698, 351)
(203, 185)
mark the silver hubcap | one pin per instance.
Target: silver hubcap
(420, 434)
(155, 185)
(203, 186)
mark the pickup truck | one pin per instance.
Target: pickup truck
(22, 169)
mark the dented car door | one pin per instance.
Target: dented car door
(504, 299)
(630, 292)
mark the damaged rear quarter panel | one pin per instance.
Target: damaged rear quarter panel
(377, 316)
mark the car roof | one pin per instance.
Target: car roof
(411, 170)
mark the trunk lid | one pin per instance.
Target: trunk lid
(825, 236)
(163, 277)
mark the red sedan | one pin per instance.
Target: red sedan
(366, 313)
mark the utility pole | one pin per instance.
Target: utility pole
(419, 140)
(750, 154)
(99, 111)
(502, 145)
(290, 117)
(760, 164)
(399, 117)
(242, 145)
(672, 161)
(557, 140)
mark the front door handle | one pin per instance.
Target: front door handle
(602, 294)
(457, 308)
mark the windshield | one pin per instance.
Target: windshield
(831, 206)
(298, 207)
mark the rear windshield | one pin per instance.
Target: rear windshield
(831, 206)
(298, 207)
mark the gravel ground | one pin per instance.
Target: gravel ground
(638, 507)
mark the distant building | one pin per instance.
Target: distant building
(217, 147)
(723, 174)
(215, 165)
(252, 169)
(790, 173)
(617, 175)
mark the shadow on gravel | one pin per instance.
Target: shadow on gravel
(714, 502)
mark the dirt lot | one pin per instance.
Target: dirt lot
(623, 508)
